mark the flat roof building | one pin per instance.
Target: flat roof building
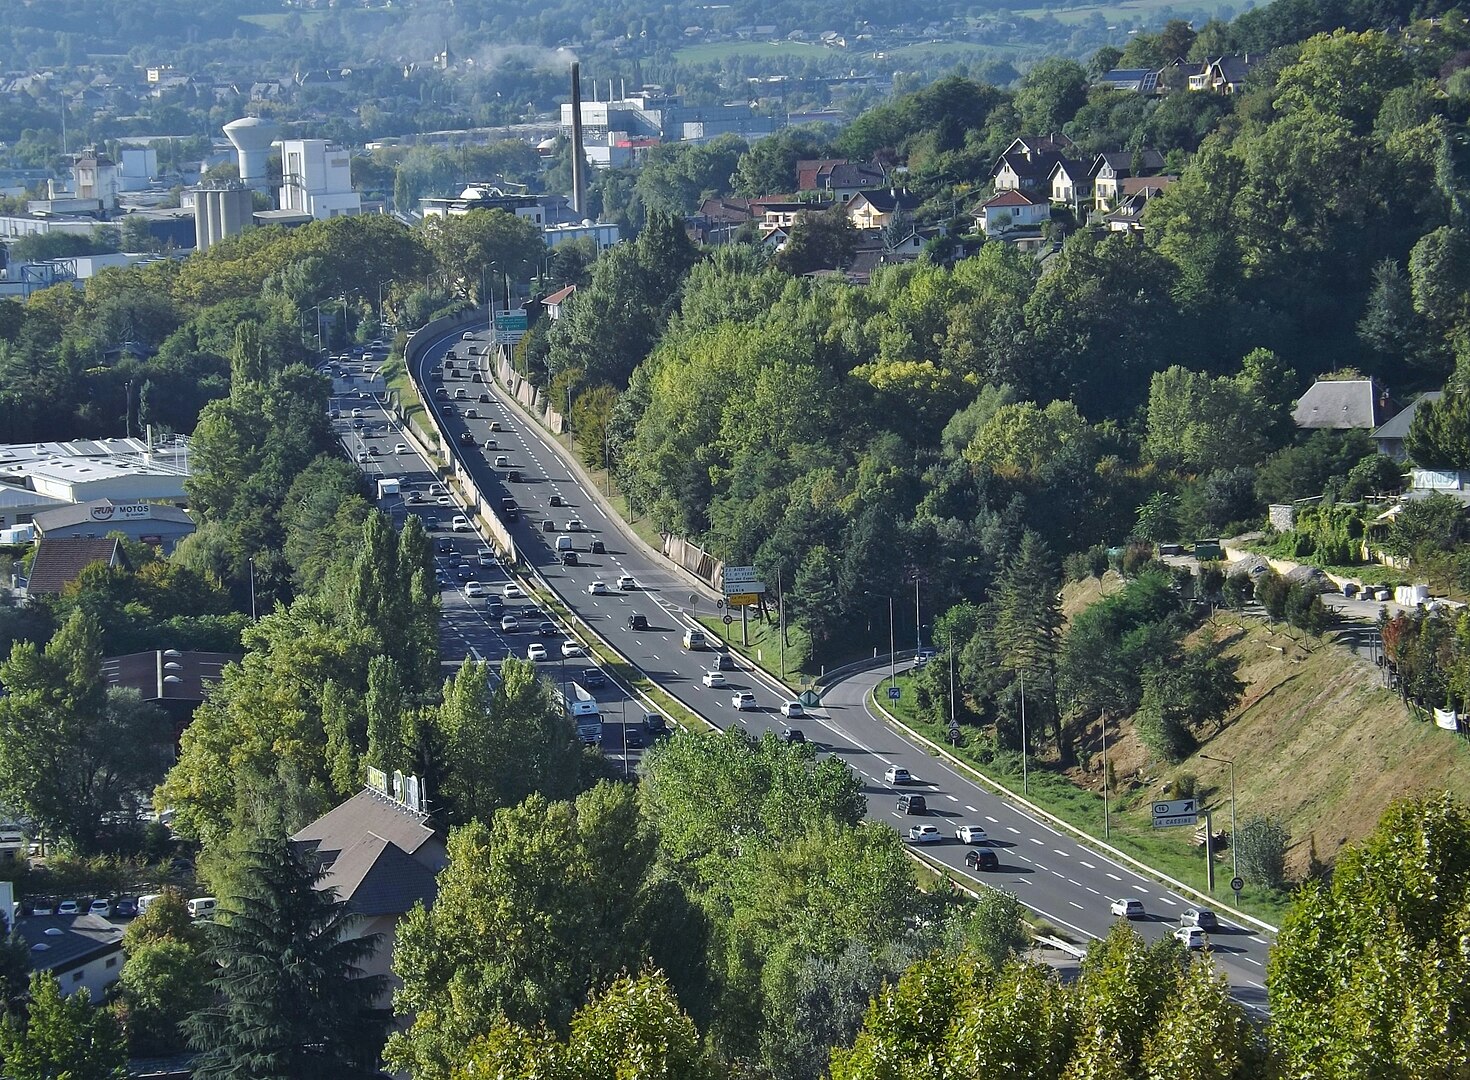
(160, 524)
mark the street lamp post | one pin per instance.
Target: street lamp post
(1107, 823)
(1234, 860)
(1025, 790)
(252, 589)
(892, 641)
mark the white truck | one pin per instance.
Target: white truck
(387, 486)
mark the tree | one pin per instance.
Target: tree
(1439, 434)
(1367, 977)
(73, 755)
(819, 241)
(62, 1037)
(1261, 851)
(1050, 95)
(1343, 74)
(768, 166)
(465, 245)
(1196, 421)
(163, 983)
(1027, 626)
(535, 910)
(291, 996)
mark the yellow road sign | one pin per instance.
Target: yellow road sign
(743, 600)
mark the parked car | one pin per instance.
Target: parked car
(971, 834)
(925, 834)
(896, 774)
(68, 907)
(125, 908)
(101, 906)
(743, 700)
(982, 860)
(1203, 918)
(1127, 907)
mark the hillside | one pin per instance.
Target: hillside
(1318, 741)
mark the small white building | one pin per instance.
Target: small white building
(84, 952)
(316, 179)
(1012, 209)
(603, 234)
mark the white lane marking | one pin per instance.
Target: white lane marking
(1115, 877)
(1034, 840)
(1064, 854)
(1012, 828)
(1248, 960)
(1258, 941)
(1076, 905)
(1166, 900)
(1090, 889)
(951, 798)
(1087, 864)
(1141, 889)
(1057, 873)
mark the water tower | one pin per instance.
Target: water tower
(252, 138)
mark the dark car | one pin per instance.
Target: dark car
(446, 546)
(637, 622)
(793, 735)
(598, 548)
(485, 398)
(569, 558)
(981, 860)
(464, 571)
(513, 477)
(916, 805)
(633, 736)
(547, 629)
(723, 662)
(466, 438)
(547, 525)
(556, 501)
(593, 677)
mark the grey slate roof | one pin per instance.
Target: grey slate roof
(82, 938)
(380, 856)
(1343, 404)
(1398, 426)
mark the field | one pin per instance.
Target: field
(1147, 12)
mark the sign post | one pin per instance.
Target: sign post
(1176, 812)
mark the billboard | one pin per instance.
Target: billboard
(122, 512)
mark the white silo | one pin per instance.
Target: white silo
(252, 138)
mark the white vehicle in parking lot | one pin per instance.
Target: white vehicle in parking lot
(743, 700)
(971, 834)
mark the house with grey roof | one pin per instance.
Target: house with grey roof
(1343, 405)
(1391, 434)
(381, 857)
(84, 952)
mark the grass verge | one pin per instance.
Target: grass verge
(764, 648)
(395, 375)
(1129, 827)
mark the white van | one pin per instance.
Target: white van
(202, 907)
(461, 394)
(695, 639)
(564, 543)
(145, 901)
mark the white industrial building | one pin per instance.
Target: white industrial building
(38, 477)
(316, 179)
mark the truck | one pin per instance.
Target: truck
(509, 510)
(584, 713)
(387, 486)
(21, 534)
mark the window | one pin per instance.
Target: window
(112, 961)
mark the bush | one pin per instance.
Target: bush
(1085, 564)
(1184, 785)
(1136, 558)
(1304, 608)
(1211, 581)
(1237, 591)
(1271, 593)
(1260, 851)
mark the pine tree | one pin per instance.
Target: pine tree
(291, 1000)
(1028, 621)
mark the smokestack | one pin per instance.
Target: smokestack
(579, 157)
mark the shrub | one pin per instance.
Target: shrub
(1260, 851)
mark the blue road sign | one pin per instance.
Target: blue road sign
(895, 692)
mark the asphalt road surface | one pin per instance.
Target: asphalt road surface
(1066, 882)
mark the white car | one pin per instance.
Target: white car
(626, 583)
(460, 523)
(1127, 908)
(512, 591)
(441, 500)
(742, 701)
(971, 834)
(896, 774)
(356, 413)
(1192, 937)
(474, 589)
(792, 708)
(925, 834)
(68, 907)
(597, 588)
(502, 462)
(400, 448)
(362, 457)
(574, 525)
(509, 624)
(1203, 918)
(101, 906)
(714, 679)
(535, 651)
(571, 648)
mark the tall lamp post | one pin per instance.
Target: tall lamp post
(892, 643)
(1107, 821)
(1234, 860)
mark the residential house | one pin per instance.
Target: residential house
(1127, 216)
(1010, 211)
(83, 952)
(1027, 163)
(553, 303)
(1223, 74)
(1071, 183)
(717, 220)
(381, 857)
(60, 560)
(877, 209)
(811, 173)
(1112, 167)
(1131, 80)
(838, 178)
(1390, 435)
(1343, 405)
(782, 212)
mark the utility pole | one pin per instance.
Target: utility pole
(1234, 859)
(1107, 824)
(892, 648)
(252, 589)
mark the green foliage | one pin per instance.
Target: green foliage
(1196, 421)
(1426, 526)
(1439, 434)
(1306, 470)
(819, 241)
(676, 177)
(62, 1036)
(273, 1019)
(1367, 975)
(1260, 849)
(464, 246)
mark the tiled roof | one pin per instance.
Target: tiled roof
(378, 855)
(364, 813)
(885, 201)
(377, 877)
(558, 296)
(1011, 198)
(60, 560)
(1338, 403)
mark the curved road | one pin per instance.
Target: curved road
(1065, 881)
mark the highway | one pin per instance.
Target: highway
(1066, 882)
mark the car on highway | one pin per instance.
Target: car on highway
(439, 391)
(971, 834)
(356, 413)
(511, 591)
(793, 735)
(486, 557)
(547, 629)
(575, 525)
(982, 860)
(912, 804)
(362, 457)
(569, 558)
(593, 677)
(598, 548)
(535, 651)
(374, 451)
(509, 624)
(547, 525)
(597, 588)
(460, 523)
(485, 398)
(494, 424)
(466, 438)
(571, 648)
(792, 708)
(464, 571)
(714, 679)
(626, 583)
(494, 605)
(503, 462)
(555, 500)
(743, 700)
(441, 500)
(1203, 918)
(474, 589)
(1127, 908)
(1192, 937)
(896, 774)
(472, 414)
(637, 622)
(925, 834)
(400, 448)
(722, 662)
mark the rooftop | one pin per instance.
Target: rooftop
(60, 560)
(59, 942)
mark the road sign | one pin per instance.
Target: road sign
(729, 619)
(1236, 884)
(742, 599)
(744, 588)
(895, 692)
(508, 321)
(739, 573)
(1176, 812)
(810, 698)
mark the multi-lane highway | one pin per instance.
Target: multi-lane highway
(1070, 884)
